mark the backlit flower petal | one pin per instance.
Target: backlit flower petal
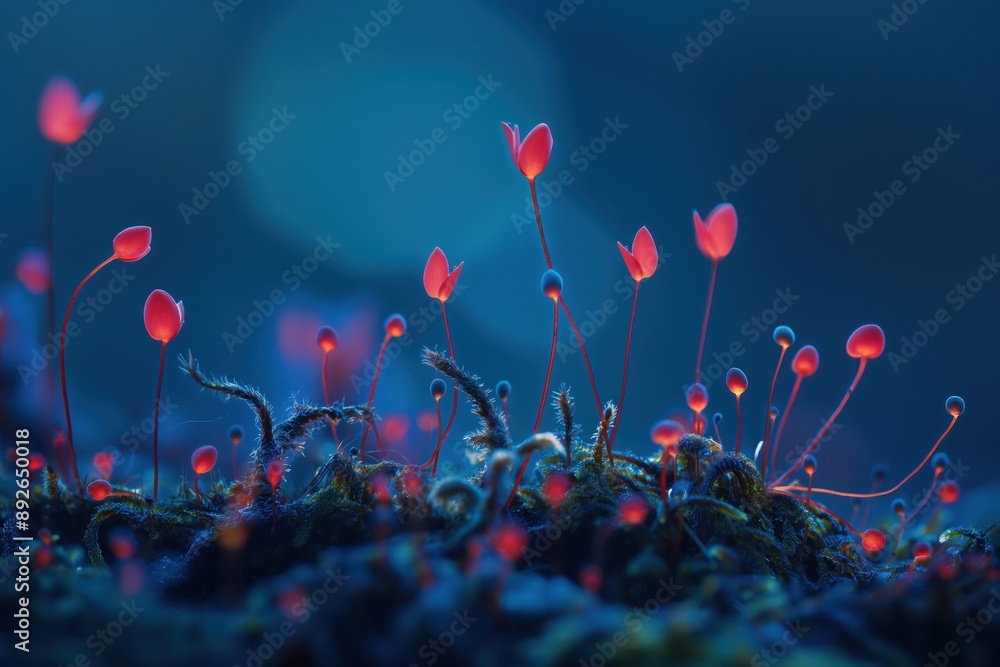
(634, 269)
(535, 151)
(162, 316)
(513, 140)
(132, 244)
(435, 273)
(449, 283)
(644, 251)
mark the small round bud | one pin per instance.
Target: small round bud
(784, 336)
(717, 418)
(899, 506)
(949, 492)
(326, 338)
(99, 489)
(236, 433)
(667, 432)
(736, 381)
(697, 397)
(806, 361)
(395, 325)
(940, 462)
(438, 388)
(922, 550)
(809, 465)
(955, 405)
(503, 390)
(872, 540)
(866, 342)
(552, 284)
(879, 472)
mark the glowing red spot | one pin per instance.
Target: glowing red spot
(866, 342)
(949, 492)
(99, 489)
(203, 459)
(509, 540)
(275, 471)
(716, 235)
(438, 282)
(666, 432)
(697, 397)
(426, 420)
(33, 270)
(326, 338)
(922, 550)
(736, 381)
(633, 510)
(293, 603)
(531, 155)
(62, 116)
(122, 543)
(45, 535)
(43, 557)
(641, 262)
(555, 488)
(955, 405)
(873, 540)
(103, 464)
(591, 579)
(806, 361)
(133, 243)
(396, 427)
(163, 316)
(395, 326)
(35, 462)
(412, 484)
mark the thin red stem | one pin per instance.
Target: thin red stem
(718, 437)
(768, 421)
(62, 370)
(50, 249)
(930, 492)
(590, 370)
(326, 394)
(197, 492)
(704, 323)
(454, 387)
(538, 220)
(906, 479)
(552, 358)
(437, 450)
(781, 424)
(628, 349)
(809, 493)
(156, 422)
(371, 392)
(517, 481)
(899, 537)
(663, 477)
(739, 425)
(826, 426)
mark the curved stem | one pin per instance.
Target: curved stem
(829, 422)
(781, 424)
(590, 370)
(739, 425)
(62, 370)
(704, 323)
(906, 479)
(517, 481)
(628, 349)
(371, 392)
(768, 421)
(50, 250)
(552, 358)
(930, 492)
(326, 394)
(454, 386)
(538, 220)
(437, 450)
(156, 424)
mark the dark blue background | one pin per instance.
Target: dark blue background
(325, 175)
